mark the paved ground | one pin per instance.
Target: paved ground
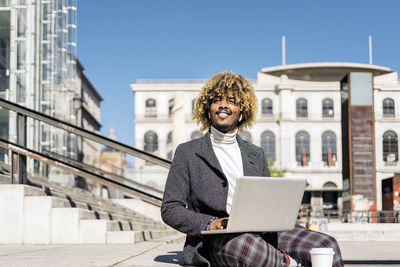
(161, 252)
(376, 252)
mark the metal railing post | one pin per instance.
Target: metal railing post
(21, 140)
(14, 164)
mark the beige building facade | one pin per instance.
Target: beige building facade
(299, 123)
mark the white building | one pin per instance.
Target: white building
(298, 121)
(88, 117)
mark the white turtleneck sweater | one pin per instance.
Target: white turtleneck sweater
(228, 154)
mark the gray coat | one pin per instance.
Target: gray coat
(197, 190)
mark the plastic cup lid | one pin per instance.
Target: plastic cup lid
(327, 251)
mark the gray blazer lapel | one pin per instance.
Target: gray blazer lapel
(206, 153)
(248, 157)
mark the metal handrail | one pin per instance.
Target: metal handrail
(352, 216)
(20, 152)
(85, 133)
(115, 183)
(103, 173)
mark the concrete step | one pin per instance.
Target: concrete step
(81, 198)
(37, 218)
(94, 231)
(5, 179)
(116, 232)
(12, 211)
(141, 207)
(114, 212)
(59, 215)
(120, 237)
(366, 235)
(66, 223)
(365, 231)
(89, 202)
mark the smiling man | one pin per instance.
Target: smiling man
(202, 179)
(225, 112)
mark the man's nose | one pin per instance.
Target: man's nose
(223, 103)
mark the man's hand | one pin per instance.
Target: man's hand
(219, 223)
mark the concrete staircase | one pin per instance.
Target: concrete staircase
(365, 231)
(51, 213)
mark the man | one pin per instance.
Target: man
(200, 185)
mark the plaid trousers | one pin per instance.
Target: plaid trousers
(255, 249)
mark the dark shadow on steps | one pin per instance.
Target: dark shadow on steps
(47, 191)
(171, 257)
(71, 202)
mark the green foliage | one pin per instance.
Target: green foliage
(275, 171)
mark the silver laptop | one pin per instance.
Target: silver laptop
(264, 204)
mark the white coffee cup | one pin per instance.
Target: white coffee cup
(322, 257)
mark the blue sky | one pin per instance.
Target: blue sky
(121, 41)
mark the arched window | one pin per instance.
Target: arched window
(390, 147)
(388, 107)
(169, 138)
(329, 155)
(329, 197)
(170, 106)
(327, 108)
(195, 135)
(302, 148)
(151, 108)
(268, 145)
(266, 106)
(330, 185)
(193, 104)
(246, 136)
(301, 108)
(150, 141)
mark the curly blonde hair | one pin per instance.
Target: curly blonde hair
(222, 83)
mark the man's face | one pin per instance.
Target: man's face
(225, 113)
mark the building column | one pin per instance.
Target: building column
(178, 120)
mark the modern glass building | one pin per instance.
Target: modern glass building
(38, 69)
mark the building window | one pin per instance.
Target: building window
(195, 135)
(266, 106)
(169, 155)
(151, 108)
(301, 108)
(170, 106)
(169, 138)
(302, 148)
(150, 142)
(329, 185)
(388, 107)
(390, 147)
(327, 108)
(193, 104)
(329, 155)
(268, 145)
(246, 136)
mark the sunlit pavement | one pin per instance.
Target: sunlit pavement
(166, 252)
(162, 252)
